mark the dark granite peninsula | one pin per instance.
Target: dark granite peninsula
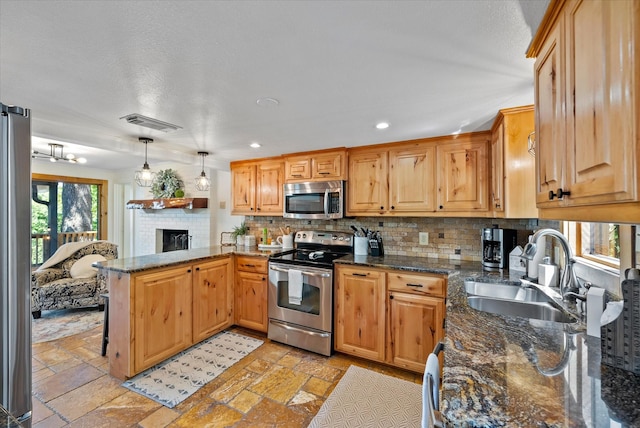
(502, 371)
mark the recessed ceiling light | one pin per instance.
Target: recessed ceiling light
(255, 145)
(267, 102)
(382, 125)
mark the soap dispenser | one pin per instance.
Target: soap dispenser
(533, 264)
(548, 273)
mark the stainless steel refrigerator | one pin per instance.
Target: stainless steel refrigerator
(15, 255)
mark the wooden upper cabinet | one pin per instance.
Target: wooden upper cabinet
(367, 190)
(412, 179)
(512, 166)
(269, 189)
(587, 110)
(601, 132)
(322, 165)
(463, 174)
(243, 189)
(257, 187)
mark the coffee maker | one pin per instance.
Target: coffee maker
(496, 245)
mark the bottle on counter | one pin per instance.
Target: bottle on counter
(265, 236)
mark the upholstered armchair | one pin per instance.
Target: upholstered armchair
(67, 279)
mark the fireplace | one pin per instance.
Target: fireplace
(172, 240)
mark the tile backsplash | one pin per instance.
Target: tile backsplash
(449, 238)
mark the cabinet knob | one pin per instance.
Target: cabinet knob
(393, 207)
(441, 207)
(251, 209)
(197, 268)
(391, 297)
(381, 208)
(188, 270)
(559, 194)
(258, 208)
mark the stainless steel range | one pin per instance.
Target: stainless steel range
(301, 290)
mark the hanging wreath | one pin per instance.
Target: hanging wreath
(165, 184)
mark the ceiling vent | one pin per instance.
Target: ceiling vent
(148, 122)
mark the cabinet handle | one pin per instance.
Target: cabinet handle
(251, 266)
(415, 285)
(188, 270)
(497, 205)
(390, 296)
(393, 207)
(441, 207)
(324, 173)
(258, 208)
(359, 274)
(197, 269)
(559, 194)
(251, 209)
(296, 175)
(381, 208)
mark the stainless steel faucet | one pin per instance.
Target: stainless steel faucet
(568, 282)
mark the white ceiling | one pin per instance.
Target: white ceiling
(429, 68)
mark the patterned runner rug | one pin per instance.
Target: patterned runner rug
(364, 398)
(55, 325)
(175, 379)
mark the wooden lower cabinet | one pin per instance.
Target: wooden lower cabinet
(212, 298)
(389, 316)
(251, 290)
(162, 308)
(155, 314)
(360, 312)
(415, 326)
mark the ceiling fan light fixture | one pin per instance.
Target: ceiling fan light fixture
(145, 177)
(56, 153)
(202, 182)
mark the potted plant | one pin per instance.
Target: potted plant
(239, 232)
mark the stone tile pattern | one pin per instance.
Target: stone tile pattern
(274, 386)
(449, 238)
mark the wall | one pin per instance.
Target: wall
(449, 238)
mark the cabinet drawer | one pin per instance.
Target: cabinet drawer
(252, 264)
(417, 283)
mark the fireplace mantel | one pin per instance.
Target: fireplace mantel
(168, 203)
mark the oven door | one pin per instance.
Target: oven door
(314, 310)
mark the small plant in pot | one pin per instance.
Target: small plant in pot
(239, 232)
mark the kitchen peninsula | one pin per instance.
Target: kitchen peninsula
(498, 370)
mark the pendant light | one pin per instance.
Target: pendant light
(202, 181)
(145, 177)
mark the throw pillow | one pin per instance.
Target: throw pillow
(83, 269)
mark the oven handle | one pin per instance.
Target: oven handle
(322, 275)
(300, 330)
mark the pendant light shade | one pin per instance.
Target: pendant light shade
(145, 177)
(202, 181)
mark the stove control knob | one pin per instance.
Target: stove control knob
(341, 238)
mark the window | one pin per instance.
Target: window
(65, 209)
(598, 242)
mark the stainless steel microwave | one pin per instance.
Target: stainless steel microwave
(314, 200)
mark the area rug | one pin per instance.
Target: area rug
(175, 379)
(55, 325)
(364, 398)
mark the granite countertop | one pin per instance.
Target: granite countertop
(172, 258)
(515, 372)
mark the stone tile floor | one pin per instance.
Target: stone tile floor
(275, 386)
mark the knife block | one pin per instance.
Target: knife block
(620, 339)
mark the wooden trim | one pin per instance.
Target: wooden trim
(168, 203)
(103, 193)
(610, 213)
(548, 20)
(316, 152)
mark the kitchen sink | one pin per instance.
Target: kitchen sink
(514, 300)
(504, 291)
